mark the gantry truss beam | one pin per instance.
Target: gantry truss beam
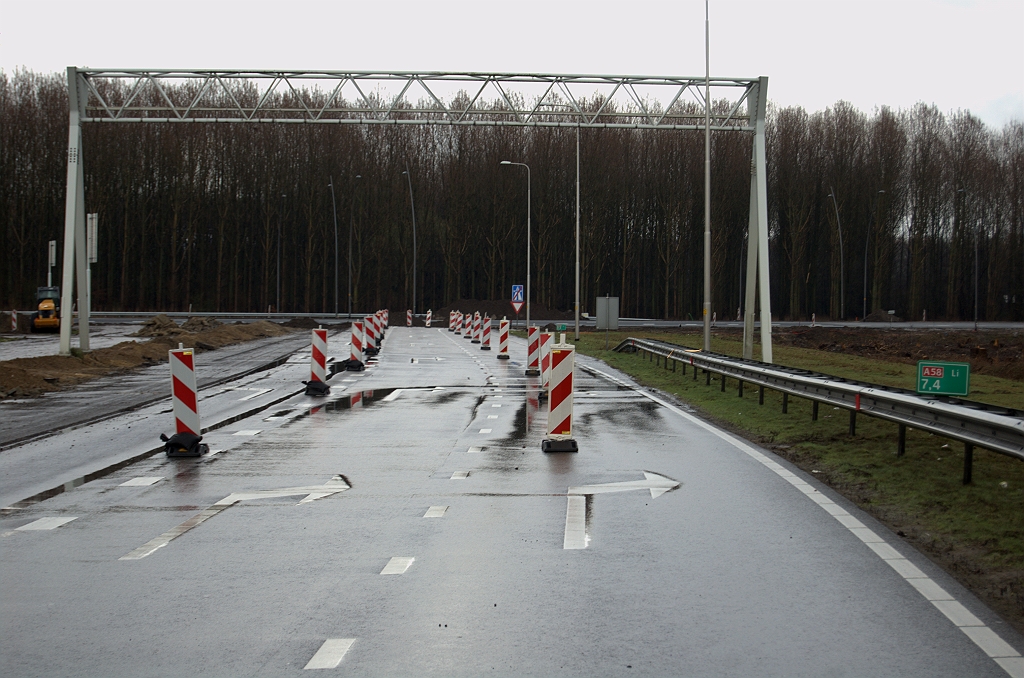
(412, 97)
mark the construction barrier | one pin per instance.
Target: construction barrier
(503, 339)
(533, 352)
(467, 326)
(458, 322)
(563, 360)
(485, 336)
(451, 321)
(408, 318)
(370, 343)
(428, 317)
(545, 357)
(357, 341)
(386, 317)
(14, 321)
(317, 384)
(476, 327)
(185, 406)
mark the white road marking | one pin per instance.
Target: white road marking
(397, 565)
(247, 432)
(415, 361)
(460, 475)
(257, 394)
(348, 380)
(475, 450)
(496, 405)
(330, 653)
(45, 524)
(435, 512)
(141, 482)
(656, 483)
(492, 416)
(1008, 659)
(576, 523)
(391, 396)
(485, 430)
(314, 492)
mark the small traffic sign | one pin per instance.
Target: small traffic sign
(943, 378)
(517, 305)
(517, 293)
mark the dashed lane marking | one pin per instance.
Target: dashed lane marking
(330, 653)
(397, 565)
(460, 475)
(141, 482)
(435, 512)
(46, 523)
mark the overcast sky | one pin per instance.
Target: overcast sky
(957, 54)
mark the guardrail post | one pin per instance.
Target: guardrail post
(785, 403)
(853, 422)
(694, 372)
(707, 377)
(901, 444)
(968, 462)
(814, 410)
(741, 389)
(723, 382)
(674, 365)
(760, 395)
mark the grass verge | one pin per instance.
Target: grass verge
(975, 532)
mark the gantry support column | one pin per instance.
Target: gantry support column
(757, 238)
(74, 223)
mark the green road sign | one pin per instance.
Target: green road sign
(943, 378)
(561, 327)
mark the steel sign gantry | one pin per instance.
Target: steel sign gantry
(109, 95)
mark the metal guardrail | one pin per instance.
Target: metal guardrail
(994, 428)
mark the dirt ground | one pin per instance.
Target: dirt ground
(27, 377)
(996, 352)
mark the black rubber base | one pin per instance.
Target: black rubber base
(485, 348)
(475, 341)
(559, 446)
(184, 445)
(533, 373)
(317, 388)
(503, 356)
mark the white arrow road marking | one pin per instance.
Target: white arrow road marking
(576, 536)
(333, 486)
(330, 653)
(391, 396)
(657, 484)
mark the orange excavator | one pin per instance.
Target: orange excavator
(47, 315)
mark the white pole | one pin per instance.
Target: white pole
(707, 178)
(577, 233)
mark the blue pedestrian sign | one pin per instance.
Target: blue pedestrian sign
(517, 293)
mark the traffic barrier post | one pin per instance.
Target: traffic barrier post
(428, 317)
(186, 441)
(532, 352)
(485, 336)
(408, 318)
(560, 400)
(503, 339)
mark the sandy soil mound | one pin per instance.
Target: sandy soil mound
(34, 376)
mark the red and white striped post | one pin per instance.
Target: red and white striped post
(451, 321)
(503, 339)
(14, 321)
(545, 357)
(559, 438)
(476, 327)
(184, 394)
(467, 326)
(485, 336)
(378, 328)
(370, 335)
(532, 352)
(386, 317)
(318, 357)
(408, 318)
(428, 317)
(357, 341)
(458, 322)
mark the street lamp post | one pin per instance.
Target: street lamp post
(842, 267)
(412, 204)
(351, 226)
(335, 208)
(960, 190)
(279, 218)
(528, 182)
(867, 242)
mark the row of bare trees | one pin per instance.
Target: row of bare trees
(200, 215)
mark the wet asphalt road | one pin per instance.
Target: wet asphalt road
(747, 567)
